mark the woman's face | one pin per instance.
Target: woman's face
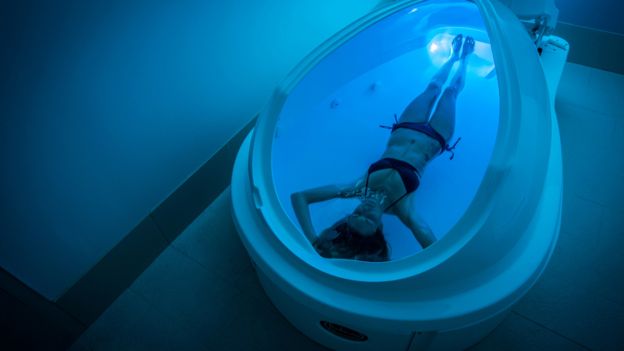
(366, 218)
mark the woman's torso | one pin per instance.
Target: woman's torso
(413, 147)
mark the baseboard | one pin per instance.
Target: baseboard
(28, 321)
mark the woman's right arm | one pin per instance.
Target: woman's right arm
(419, 228)
(301, 203)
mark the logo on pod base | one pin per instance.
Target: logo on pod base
(343, 332)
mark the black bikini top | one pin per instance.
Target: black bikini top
(408, 173)
(426, 129)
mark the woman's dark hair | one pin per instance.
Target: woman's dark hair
(343, 241)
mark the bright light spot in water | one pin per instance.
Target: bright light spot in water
(440, 49)
(413, 10)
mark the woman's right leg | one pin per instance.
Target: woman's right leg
(420, 108)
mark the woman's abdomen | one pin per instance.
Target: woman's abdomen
(412, 147)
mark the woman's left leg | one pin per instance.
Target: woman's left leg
(443, 119)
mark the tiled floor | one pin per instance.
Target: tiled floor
(201, 293)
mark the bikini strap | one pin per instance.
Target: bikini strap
(392, 127)
(432, 133)
(450, 149)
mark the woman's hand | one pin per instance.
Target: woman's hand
(354, 189)
(346, 193)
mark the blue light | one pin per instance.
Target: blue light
(440, 50)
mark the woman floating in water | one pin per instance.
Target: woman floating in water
(386, 188)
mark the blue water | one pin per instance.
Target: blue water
(328, 131)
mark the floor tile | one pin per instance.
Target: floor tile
(212, 240)
(79, 345)
(517, 333)
(249, 283)
(613, 221)
(592, 88)
(610, 257)
(578, 296)
(115, 325)
(615, 167)
(588, 152)
(573, 259)
(158, 331)
(588, 131)
(187, 292)
(260, 326)
(606, 90)
(572, 309)
(574, 79)
(570, 268)
(581, 217)
(132, 323)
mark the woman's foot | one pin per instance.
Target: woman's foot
(457, 44)
(469, 45)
